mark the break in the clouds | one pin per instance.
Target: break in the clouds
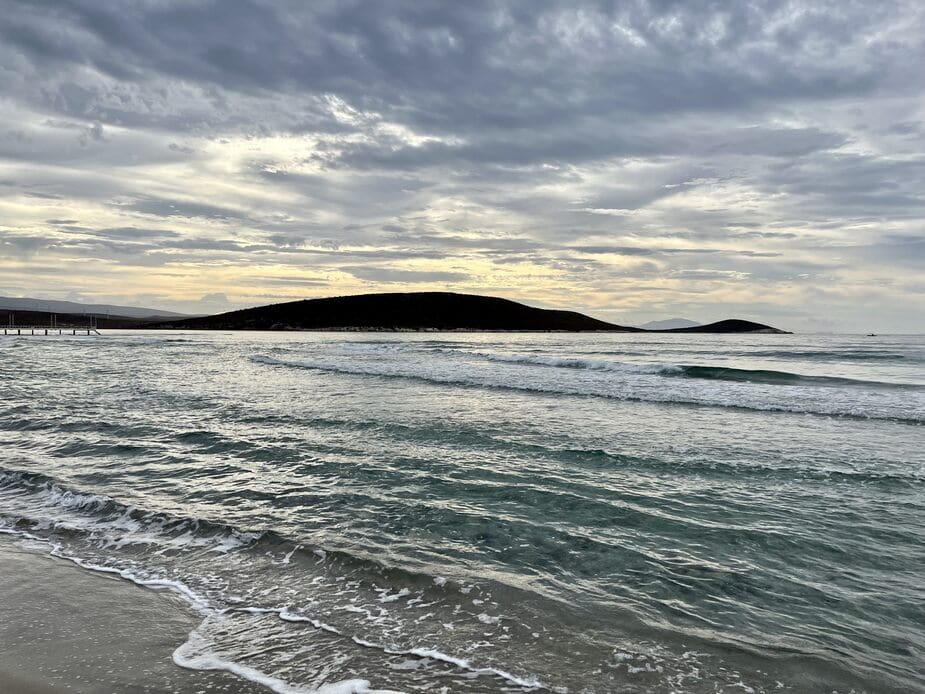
(634, 160)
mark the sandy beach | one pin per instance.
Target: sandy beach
(64, 629)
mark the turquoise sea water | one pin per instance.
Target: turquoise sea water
(492, 512)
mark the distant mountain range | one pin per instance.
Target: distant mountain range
(416, 311)
(669, 324)
(72, 307)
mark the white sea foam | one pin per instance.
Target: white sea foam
(461, 663)
(526, 682)
(198, 601)
(288, 557)
(392, 597)
(197, 653)
(288, 616)
(588, 364)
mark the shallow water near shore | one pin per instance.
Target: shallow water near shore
(492, 512)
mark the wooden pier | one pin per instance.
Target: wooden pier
(52, 329)
(35, 330)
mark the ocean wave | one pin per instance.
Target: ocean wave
(759, 402)
(269, 576)
(698, 371)
(117, 524)
(719, 373)
(194, 559)
(823, 355)
(578, 363)
(772, 377)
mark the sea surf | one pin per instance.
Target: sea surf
(491, 512)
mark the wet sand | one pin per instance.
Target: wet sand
(65, 629)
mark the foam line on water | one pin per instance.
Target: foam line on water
(699, 371)
(461, 663)
(198, 601)
(821, 406)
(194, 654)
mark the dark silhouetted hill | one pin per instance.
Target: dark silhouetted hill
(400, 311)
(422, 311)
(730, 325)
(670, 324)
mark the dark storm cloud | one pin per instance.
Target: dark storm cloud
(43, 196)
(855, 184)
(475, 67)
(600, 141)
(21, 243)
(160, 207)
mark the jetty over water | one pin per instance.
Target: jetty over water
(53, 328)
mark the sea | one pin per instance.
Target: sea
(491, 512)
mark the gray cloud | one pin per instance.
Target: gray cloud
(132, 233)
(160, 207)
(389, 275)
(677, 150)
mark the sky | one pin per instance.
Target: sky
(633, 160)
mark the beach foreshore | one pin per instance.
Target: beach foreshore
(66, 629)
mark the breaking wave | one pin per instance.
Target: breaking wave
(640, 391)
(719, 373)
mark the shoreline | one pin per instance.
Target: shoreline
(67, 629)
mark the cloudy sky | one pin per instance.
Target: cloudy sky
(635, 160)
